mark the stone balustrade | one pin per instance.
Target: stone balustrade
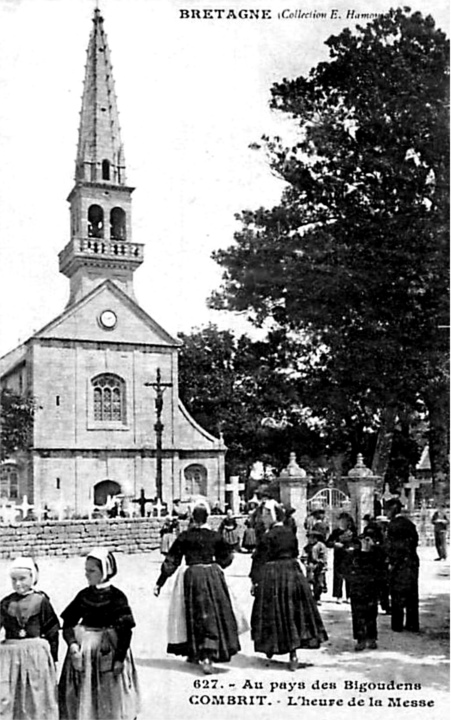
(91, 247)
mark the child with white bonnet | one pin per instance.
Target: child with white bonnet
(98, 679)
(30, 649)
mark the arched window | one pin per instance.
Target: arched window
(105, 169)
(195, 480)
(109, 398)
(9, 484)
(95, 221)
(117, 223)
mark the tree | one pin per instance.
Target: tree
(353, 262)
(16, 423)
(231, 385)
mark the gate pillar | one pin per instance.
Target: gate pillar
(362, 484)
(293, 483)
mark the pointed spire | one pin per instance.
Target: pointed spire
(100, 156)
(101, 243)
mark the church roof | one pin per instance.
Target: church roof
(12, 359)
(99, 136)
(71, 324)
(84, 326)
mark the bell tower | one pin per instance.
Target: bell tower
(101, 244)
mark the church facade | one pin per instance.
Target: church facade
(108, 419)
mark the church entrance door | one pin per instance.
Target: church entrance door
(105, 489)
(195, 480)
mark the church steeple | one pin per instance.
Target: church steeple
(100, 202)
(100, 153)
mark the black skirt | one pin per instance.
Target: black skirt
(210, 622)
(284, 615)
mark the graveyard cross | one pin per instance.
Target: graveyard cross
(159, 507)
(234, 487)
(158, 427)
(25, 507)
(141, 501)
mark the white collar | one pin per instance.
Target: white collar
(103, 585)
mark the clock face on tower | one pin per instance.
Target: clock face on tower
(108, 319)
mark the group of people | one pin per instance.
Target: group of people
(377, 567)
(98, 679)
(203, 621)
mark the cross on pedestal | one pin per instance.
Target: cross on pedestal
(234, 487)
(159, 388)
(141, 501)
(158, 507)
(25, 507)
(413, 485)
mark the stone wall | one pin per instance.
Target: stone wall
(76, 537)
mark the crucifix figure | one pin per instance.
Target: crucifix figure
(158, 427)
(141, 501)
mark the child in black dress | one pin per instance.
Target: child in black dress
(365, 577)
(315, 560)
(98, 680)
(30, 650)
(228, 529)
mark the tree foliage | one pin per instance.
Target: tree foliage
(238, 388)
(354, 259)
(16, 423)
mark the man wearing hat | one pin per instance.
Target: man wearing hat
(403, 567)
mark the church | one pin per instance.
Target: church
(108, 419)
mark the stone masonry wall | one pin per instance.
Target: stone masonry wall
(76, 537)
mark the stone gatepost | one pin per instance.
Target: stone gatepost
(293, 483)
(362, 484)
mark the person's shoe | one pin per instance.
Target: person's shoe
(360, 646)
(338, 601)
(268, 659)
(371, 645)
(293, 664)
(207, 667)
(192, 660)
(437, 559)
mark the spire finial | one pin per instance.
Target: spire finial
(97, 16)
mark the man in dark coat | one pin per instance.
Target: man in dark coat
(403, 564)
(440, 522)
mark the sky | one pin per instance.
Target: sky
(193, 95)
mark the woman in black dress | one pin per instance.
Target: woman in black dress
(284, 615)
(210, 627)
